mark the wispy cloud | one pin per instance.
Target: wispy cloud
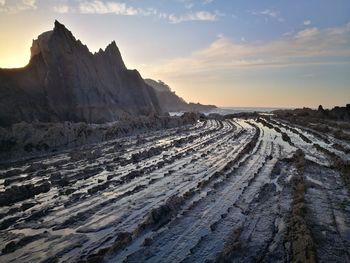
(15, 6)
(193, 16)
(188, 4)
(205, 2)
(268, 13)
(307, 33)
(99, 7)
(62, 9)
(30, 3)
(191, 3)
(310, 46)
(120, 8)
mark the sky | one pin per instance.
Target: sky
(239, 53)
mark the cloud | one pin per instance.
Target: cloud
(30, 3)
(120, 8)
(188, 4)
(61, 9)
(15, 6)
(307, 22)
(99, 7)
(310, 46)
(269, 13)
(307, 33)
(196, 16)
(288, 33)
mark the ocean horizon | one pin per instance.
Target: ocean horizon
(231, 110)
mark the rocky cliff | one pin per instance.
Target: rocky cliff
(170, 102)
(64, 81)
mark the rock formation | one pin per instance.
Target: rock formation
(170, 102)
(64, 81)
(23, 140)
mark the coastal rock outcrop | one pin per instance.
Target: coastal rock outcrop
(170, 102)
(23, 140)
(64, 81)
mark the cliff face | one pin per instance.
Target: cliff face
(170, 102)
(65, 82)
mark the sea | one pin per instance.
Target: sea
(230, 110)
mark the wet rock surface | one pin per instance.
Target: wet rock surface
(28, 138)
(217, 190)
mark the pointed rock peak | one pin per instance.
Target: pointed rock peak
(112, 47)
(62, 30)
(60, 27)
(58, 24)
(113, 52)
